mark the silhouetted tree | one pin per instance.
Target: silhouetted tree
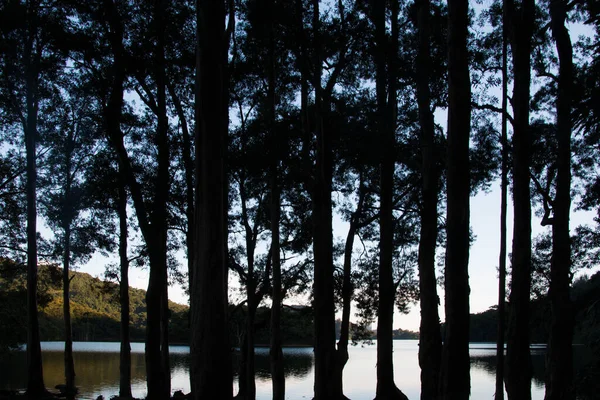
(385, 57)
(520, 20)
(430, 340)
(559, 381)
(455, 378)
(211, 374)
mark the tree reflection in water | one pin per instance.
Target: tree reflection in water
(97, 368)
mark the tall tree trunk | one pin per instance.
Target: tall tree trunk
(559, 363)
(322, 236)
(211, 375)
(342, 355)
(503, 209)
(455, 380)
(112, 114)
(67, 221)
(35, 377)
(518, 360)
(275, 351)
(157, 346)
(164, 331)
(155, 377)
(386, 105)
(430, 339)
(68, 354)
(125, 352)
(153, 228)
(247, 383)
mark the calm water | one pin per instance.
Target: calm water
(97, 368)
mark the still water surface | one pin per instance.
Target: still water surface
(97, 368)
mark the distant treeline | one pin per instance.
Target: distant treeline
(95, 313)
(94, 307)
(585, 296)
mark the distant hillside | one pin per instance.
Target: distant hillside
(95, 311)
(95, 308)
(585, 295)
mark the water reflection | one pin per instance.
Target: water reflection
(97, 367)
(298, 363)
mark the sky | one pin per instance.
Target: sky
(484, 252)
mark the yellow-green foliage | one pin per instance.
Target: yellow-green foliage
(95, 307)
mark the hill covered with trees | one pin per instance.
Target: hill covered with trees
(95, 307)
(586, 295)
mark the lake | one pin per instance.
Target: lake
(97, 368)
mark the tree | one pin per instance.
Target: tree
(275, 351)
(518, 363)
(455, 379)
(125, 350)
(210, 374)
(430, 340)
(109, 196)
(72, 144)
(29, 64)
(107, 52)
(385, 64)
(559, 381)
(503, 208)
(322, 229)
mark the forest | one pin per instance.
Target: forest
(219, 143)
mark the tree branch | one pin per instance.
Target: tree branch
(493, 108)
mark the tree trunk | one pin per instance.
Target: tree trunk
(455, 379)
(386, 105)
(35, 377)
(67, 220)
(164, 331)
(248, 374)
(275, 351)
(112, 119)
(211, 375)
(68, 355)
(247, 383)
(559, 362)
(347, 290)
(153, 228)
(243, 369)
(430, 339)
(157, 345)
(125, 353)
(322, 237)
(518, 360)
(503, 209)
(155, 376)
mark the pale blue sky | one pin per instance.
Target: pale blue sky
(483, 261)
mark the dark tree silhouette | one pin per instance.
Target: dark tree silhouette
(455, 380)
(559, 374)
(275, 351)
(503, 209)
(518, 362)
(430, 340)
(211, 374)
(385, 66)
